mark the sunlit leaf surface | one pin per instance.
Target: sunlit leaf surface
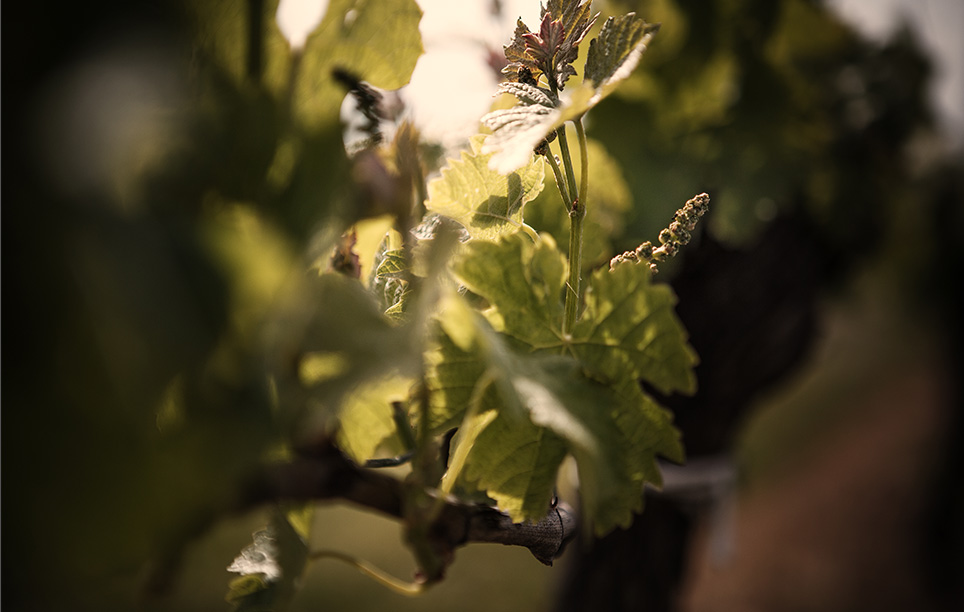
(579, 394)
(486, 202)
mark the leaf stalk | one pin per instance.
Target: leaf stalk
(560, 180)
(567, 161)
(577, 213)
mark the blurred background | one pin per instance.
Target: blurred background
(142, 258)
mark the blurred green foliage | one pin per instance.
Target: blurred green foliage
(770, 107)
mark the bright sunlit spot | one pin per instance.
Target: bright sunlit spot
(298, 18)
(454, 82)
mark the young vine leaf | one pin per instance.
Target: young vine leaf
(611, 59)
(388, 283)
(554, 48)
(614, 54)
(485, 202)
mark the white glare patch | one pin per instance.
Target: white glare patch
(350, 17)
(298, 18)
(261, 557)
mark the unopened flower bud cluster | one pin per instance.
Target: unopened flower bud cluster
(671, 239)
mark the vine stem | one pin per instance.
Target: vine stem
(584, 161)
(567, 160)
(577, 213)
(560, 180)
(399, 586)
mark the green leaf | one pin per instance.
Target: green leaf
(366, 419)
(516, 464)
(614, 432)
(614, 54)
(580, 395)
(612, 57)
(221, 36)
(392, 264)
(627, 317)
(378, 40)
(523, 281)
(453, 374)
(487, 203)
(467, 369)
(388, 282)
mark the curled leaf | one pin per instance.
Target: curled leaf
(519, 61)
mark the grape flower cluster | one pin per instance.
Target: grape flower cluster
(671, 239)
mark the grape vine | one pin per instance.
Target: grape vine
(475, 352)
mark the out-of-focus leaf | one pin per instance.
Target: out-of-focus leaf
(252, 254)
(366, 421)
(221, 35)
(378, 40)
(334, 322)
(486, 202)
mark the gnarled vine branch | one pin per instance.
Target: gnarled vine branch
(327, 475)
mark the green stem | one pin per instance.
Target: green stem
(577, 213)
(530, 232)
(560, 180)
(567, 160)
(382, 577)
(584, 161)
